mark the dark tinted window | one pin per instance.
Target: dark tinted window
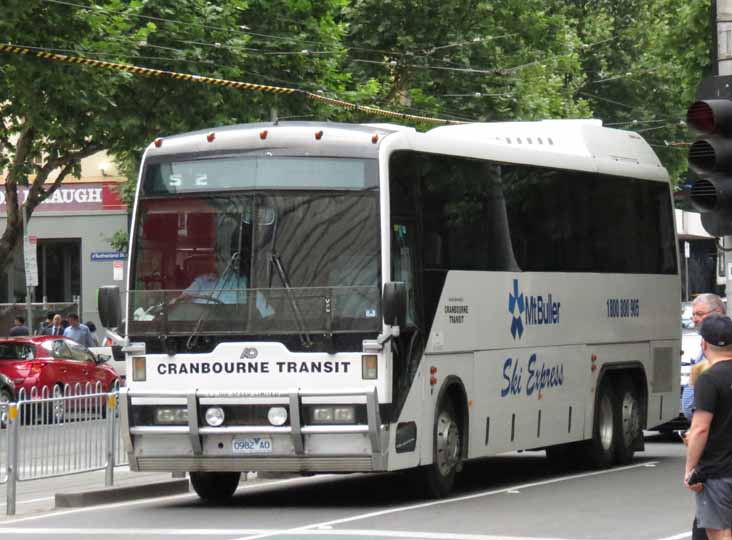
(16, 351)
(481, 215)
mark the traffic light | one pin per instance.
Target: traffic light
(710, 156)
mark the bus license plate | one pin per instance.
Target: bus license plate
(252, 445)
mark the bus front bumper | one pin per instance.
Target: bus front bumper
(295, 447)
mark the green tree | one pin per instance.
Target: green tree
(55, 114)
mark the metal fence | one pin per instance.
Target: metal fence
(56, 432)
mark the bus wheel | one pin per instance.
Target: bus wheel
(447, 450)
(601, 452)
(628, 430)
(215, 487)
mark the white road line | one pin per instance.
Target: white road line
(417, 535)
(679, 536)
(148, 500)
(358, 517)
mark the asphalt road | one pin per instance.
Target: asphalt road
(511, 497)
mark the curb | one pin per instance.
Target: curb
(121, 493)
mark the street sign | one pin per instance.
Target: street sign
(30, 260)
(108, 256)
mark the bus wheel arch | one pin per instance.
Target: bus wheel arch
(449, 438)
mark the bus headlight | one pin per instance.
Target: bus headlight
(171, 415)
(215, 416)
(277, 416)
(333, 415)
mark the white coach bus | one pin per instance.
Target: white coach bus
(318, 297)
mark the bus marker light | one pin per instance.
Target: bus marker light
(139, 368)
(158, 142)
(210, 137)
(433, 381)
(375, 139)
(263, 134)
(369, 366)
(319, 135)
(433, 370)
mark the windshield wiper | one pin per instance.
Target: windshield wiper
(301, 326)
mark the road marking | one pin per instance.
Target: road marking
(679, 536)
(358, 517)
(417, 535)
(324, 531)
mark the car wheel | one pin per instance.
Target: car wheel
(55, 410)
(6, 396)
(628, 430)
(215, 487)
(447, 451)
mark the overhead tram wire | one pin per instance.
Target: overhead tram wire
(240, 85)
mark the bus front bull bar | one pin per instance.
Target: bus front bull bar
(296, 430)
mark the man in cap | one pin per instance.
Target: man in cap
(708, 469)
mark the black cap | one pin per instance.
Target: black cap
(716, 330)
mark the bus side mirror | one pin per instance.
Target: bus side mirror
(109, 306)
(394, 303)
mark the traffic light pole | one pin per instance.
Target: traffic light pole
(723, 55)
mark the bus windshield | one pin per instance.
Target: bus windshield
(257, 262)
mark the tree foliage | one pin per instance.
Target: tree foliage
(632, 63)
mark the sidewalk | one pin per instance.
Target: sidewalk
(37, 496)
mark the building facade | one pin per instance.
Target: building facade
(71, 231)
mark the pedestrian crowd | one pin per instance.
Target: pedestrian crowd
(707, 403)
(55, 325)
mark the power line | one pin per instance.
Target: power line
(240, 85)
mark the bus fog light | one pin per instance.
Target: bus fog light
(277, 416)
(171, 415)
(343, 415)
(215, 416)
(323, 415)
(369, 366)
(139, 368)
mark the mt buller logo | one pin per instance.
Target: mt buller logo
(530, 310)
(516, 301)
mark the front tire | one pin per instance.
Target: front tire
(628, 432)
(217, 487)
(446, 454)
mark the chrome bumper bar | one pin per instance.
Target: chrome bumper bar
(295, 430)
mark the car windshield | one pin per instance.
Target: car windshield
(264, 262)
(16, 351)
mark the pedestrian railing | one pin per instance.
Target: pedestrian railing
(58, 431)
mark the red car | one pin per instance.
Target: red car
(52, 361)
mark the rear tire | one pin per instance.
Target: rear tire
(217, 487)
(447, 452)
(628, 430)
(599, 452)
